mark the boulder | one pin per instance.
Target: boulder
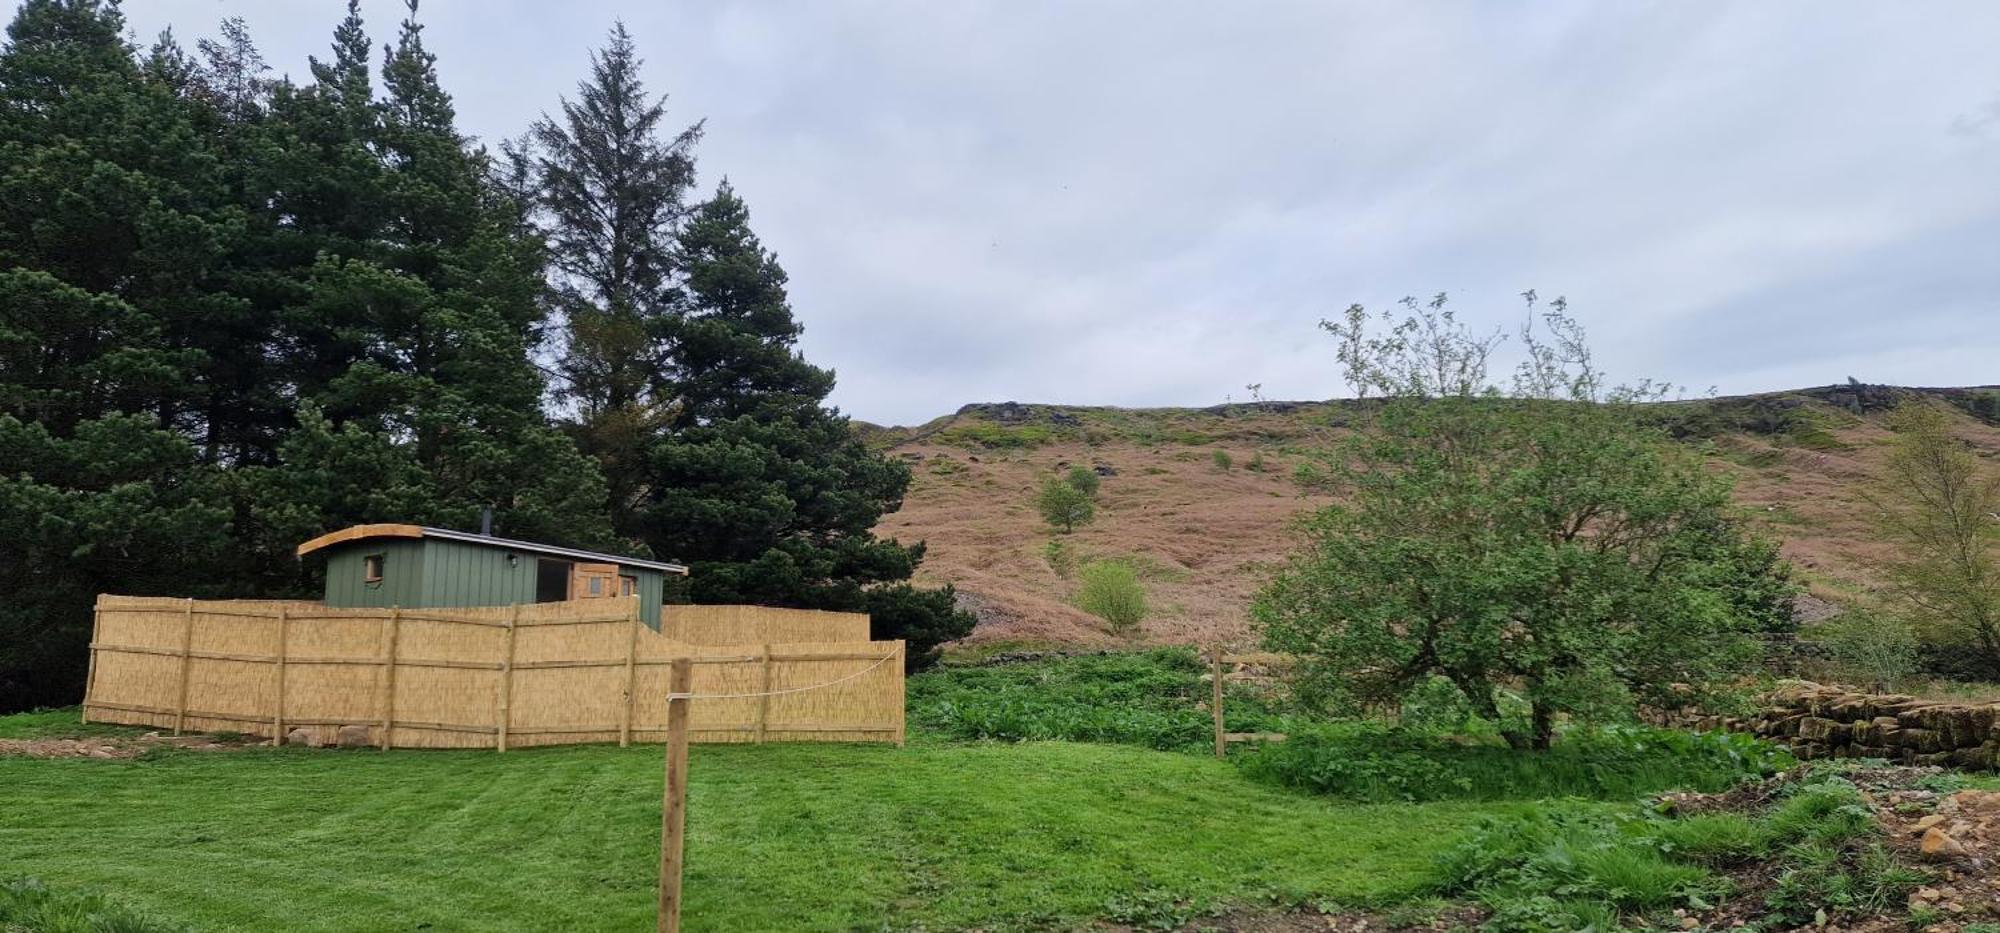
(302, 736)
(1938, 844)
(354, 736)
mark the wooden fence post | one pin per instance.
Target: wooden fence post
(902, 661)
(631, 683)
(187, 645)
(1215, 701)
(673, 803)
(395, 624)
(90, 671)
(764, 688)
(278, 715)
(507, 681)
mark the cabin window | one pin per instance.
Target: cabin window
(371, 568)
(597, 586)
(628, 585)
(551, 580)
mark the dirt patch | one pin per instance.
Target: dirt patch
(117, 746)
(1954, 835)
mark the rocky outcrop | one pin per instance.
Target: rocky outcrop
(1830, 722)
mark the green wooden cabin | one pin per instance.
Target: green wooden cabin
(415, 567)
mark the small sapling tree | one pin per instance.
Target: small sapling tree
(1064, 506)
(1938, 503)
(1111, 591)
(1085, 480)
(1539, 540)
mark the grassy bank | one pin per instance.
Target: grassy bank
(781, 837)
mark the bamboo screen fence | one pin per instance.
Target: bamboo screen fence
(498, 677)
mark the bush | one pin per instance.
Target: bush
(1370, 762)
(1064, 506)
(1085, 480)
(1256, 464)
(1223, 461)
(1111, 592)
(1146, 698)
(1871, 650)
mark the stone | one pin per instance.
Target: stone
(302, 736)
(1927, 822)
(1978, 801)
(353, 736)
(1938, 844)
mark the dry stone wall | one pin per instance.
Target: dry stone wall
(1831, 722)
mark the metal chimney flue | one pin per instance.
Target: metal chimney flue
(486, 521)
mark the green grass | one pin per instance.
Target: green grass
(56, 724)
(810, 837)
(29, 906)
(1146, 698)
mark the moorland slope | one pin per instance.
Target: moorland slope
(1203, 537)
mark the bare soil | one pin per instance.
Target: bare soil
(119, 746)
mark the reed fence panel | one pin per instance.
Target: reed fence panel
(490, 677)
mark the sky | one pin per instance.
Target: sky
(1155, 202)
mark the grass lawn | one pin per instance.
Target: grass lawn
(781, 837)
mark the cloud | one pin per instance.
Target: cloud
(1150, 203)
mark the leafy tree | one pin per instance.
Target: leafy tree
(1110, 590)
(1542, 541)
(1937, 503)
(1064, 506)
(1084, 479)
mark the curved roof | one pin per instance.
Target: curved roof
(366, 532)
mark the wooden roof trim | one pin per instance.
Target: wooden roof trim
(358, 532)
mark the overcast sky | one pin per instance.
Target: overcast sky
(1153, 203)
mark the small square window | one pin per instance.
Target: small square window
(597, 586)
(628, 585)
(371, 568)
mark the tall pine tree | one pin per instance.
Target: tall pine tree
(113, 230)
(612, 191)
(683, 364)
(765, 490)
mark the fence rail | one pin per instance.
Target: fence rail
(488, 677)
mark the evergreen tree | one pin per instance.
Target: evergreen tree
(612, 191)
(764, 490)
(111, 237)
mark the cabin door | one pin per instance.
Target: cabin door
(593, 581)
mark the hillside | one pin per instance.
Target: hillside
(1203, 537)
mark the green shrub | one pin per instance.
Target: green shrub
(1256, 464)
(1085, 480)
(1874, 651)
(27, 905)
(1370, 762)
(1146, 698)
(1111, 591)
(1223, 461)
(1064, 506)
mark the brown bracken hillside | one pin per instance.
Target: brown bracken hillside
(1204, 538)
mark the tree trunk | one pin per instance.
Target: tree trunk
(1544, 723)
